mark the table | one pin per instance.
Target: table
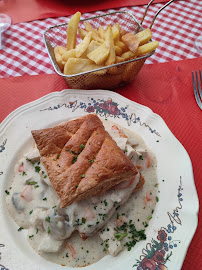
(176, 28)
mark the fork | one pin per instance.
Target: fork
(197, 82)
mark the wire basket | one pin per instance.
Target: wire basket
(108, 77)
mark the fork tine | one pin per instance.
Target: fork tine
(195, 90)
(200, 85)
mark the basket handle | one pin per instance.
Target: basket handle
(152, 22)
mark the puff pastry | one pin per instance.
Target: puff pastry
(82, 159)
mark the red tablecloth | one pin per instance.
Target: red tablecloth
(165, 88)
(29, 10)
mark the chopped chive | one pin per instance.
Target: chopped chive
(32, 183)
(82, 146)
(7, 192)
(44, 199)
(30, 212)
(47, 219)
(20, 229)
(37, 169)
(157, 199)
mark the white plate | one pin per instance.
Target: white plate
(175, 216)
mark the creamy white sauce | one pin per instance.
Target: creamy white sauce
(54, 232)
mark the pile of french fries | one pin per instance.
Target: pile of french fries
(100, 47)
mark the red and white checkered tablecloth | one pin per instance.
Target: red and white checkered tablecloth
(176, 28)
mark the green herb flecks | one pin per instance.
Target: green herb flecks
(32, 183)
(7, 192)
(37, 169)
(120, 236)
(47, 219)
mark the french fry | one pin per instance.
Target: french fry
(119, 59)
(127, 55)
(72, 30)
(118, 50)
(121, 44)
(100, 54)
(82, 33)
(69, 54)
(144, 36)
(115, 31)
(131, 41)
(147, 48)
(59, 60)
(101, 32)
(109, 39)
(60, 50)
(79, 65)
(82, 47)
(91, 47)
(95, 34)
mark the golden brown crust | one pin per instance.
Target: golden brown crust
(82, 159)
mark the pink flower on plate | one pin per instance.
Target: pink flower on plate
(162, 236)
(148, 264)
(104, 106)
(90, 109)
(114, 110)
(159, 256)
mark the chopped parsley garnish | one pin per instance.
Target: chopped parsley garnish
(128, 230)
(37, 169)
(37, 230)
(157, 141)
(145, 224)
(20, 229)
(24, 173)
(83, 175)
(45, 176)
(30, 236)
(74, 159)
(47, 219)
(141, 157)
(7, 192)
(58, 156)
(82, 146)
(120, 236)
(83, 220)
(54, 206)
(156, 185)
(31, 183)
(48, 230)
(95, 207)
(149, 217)
(91, 160)
(67, 255)
(36, 186)
(157, 199)
(30, 212)
(44, 199)
(105, 202)
(76, 186)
